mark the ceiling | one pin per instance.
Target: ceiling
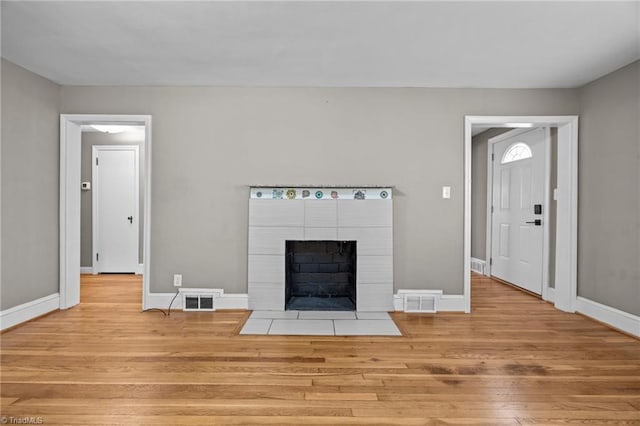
(325, 44)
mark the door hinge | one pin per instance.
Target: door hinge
(97, 257)
(96, 161)
(491, 209)
(491, 261)
(493, 156)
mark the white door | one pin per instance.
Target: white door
(115, 208)
(517, 226)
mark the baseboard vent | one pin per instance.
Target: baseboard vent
(419, 303)
(424, 301)
(478, 265)
(199, 299)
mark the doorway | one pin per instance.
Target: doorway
(70, 198)
(565, 258)
(518, 206)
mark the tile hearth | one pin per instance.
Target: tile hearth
(320, 323)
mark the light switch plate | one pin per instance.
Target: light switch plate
(446, 192)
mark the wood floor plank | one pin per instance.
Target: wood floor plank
(515, 360)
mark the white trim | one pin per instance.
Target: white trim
(546, 209)
(28, 311)
(402, 292)
(146, 248)
(466, 245)
(162, 300)
(89, 269)
(398, 303)
(488, 237)
(510, 134)
(621, 320)
(567, 205)
(550, 295)
(566, 280)
(70, 177)
(70, 202)
(224, 301)
(453, 303)
(232, 301)
(95, 208)
(482, 263)
(446, 302)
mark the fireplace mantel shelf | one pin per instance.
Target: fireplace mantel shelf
(319, 192)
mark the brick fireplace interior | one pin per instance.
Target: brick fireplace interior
(320, 275)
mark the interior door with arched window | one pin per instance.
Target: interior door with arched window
(518, 192)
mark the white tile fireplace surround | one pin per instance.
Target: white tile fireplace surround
(361, 214)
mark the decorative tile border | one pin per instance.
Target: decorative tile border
(320, 193)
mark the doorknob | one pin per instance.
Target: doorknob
(537, 222)
(130, 219)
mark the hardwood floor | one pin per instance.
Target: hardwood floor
(514, 360)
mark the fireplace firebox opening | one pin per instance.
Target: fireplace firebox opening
(320, 275)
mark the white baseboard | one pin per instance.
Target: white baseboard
(621, 320)
(161, 301)
(551, 294)
(478, 266)
(89, 269)
(452, 303)
(28, 311)
(225, 301)
(445, 303)
(233, 301)
(398, 303)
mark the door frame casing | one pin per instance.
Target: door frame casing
(95, 213)
(70, 149)
(545, 195)
(565, 293)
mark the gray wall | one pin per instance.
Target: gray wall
(30, 163)
(89, 140)
(609, 194)
(210, 143)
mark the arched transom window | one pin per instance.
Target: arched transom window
(517, 151)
